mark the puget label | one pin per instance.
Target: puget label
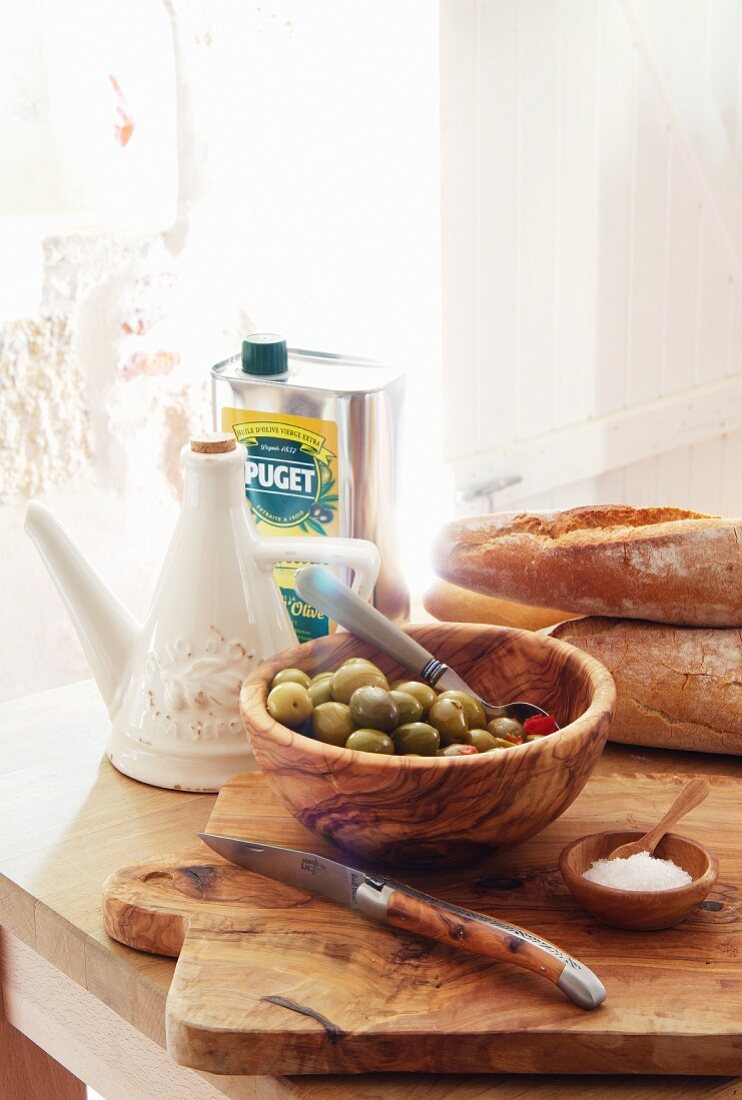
(291, 484)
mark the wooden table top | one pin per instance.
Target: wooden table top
(68, 819)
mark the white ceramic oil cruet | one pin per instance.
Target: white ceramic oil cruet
(172, 684)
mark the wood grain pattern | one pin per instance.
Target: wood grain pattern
(429, 810)
(74, 1028)
(27, 1072)
(273, 980)
(630, 909)
(68, 819)
(467, 933)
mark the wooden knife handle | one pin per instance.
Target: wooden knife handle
(482, 935)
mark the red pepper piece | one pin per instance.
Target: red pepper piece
(467, 750)
(513, 737)
(540, 724)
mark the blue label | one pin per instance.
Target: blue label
(282, 481)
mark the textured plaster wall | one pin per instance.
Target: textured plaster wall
(100, 386)
(254, 162)
(93, 411)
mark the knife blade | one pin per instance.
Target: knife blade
(381, 898)
(305, 870)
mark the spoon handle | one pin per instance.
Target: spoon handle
(328, 594)
(691, 795)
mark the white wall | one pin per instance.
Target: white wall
(592, 238)
(87, 113)
(704, 477)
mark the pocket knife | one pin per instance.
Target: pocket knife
(384, 899)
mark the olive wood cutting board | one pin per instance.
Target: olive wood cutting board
(271, 980)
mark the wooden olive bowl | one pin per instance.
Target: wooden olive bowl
(402, 810)
(640, 910)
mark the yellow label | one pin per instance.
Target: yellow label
(291, 484)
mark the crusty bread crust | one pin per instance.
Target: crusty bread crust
(662, 564)
(452, 604)
(678, 687)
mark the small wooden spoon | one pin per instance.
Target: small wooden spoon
(691, 795)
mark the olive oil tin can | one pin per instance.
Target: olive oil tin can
(322, 439)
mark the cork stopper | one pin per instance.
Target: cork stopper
(213, 443)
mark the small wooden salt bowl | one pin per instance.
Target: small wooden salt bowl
(639, 910)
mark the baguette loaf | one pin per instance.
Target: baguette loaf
(452, 604)
(662, 564)
(678, 688)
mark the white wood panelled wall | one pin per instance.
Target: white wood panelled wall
(592, 249)
(704, 476)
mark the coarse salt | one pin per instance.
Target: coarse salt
(639, 872)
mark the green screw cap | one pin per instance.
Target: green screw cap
(264, 353)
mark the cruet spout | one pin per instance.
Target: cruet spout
(105, 628)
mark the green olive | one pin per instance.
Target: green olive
(361, 661)
(291, 676)
(456, 750)
(320, 691)
(416, 738)
(332, 723)
(503, 743)
(289, 703)
(447, 715)
(482, 740)
(410, 709)
(473, 709)
(371, 741)
(506, 728)
(349, 678)
(373, 708)
(424, 694)
(326, 675)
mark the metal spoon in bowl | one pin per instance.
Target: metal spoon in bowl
(324, 591)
